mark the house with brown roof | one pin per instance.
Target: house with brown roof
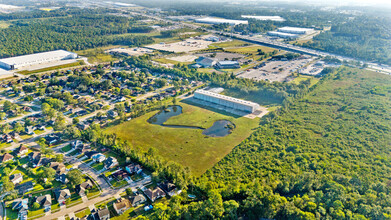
(16, 178)
(62, 195)
(154, 194)
(121, 206)
(169, 188)
(81, 188)
(58, 167)
(6, 157)
(45, 201)
(21, 151)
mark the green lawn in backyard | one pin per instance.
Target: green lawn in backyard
(188, 147)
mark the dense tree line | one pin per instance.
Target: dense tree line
(363, 37)
(70, 33)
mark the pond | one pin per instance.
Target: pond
(220, 128)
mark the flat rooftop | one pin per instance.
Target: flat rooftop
(282, 34)
(35, 57)
(294, 29)
(264, 18)
(227, 98)
(220, 21)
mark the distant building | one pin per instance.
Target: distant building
(226, 64)
(226, 101)
(209, 20)
(282, 35)
(295, 30)
(205, 62)
(37, 58)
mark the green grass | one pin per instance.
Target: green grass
(93, 192)
(26, 136)
(98, 166)
(74, 200)
(301, 78)
(118, 184)
(38, 132)
(37, 212)
(233, 43)
(11, 214)
(188, 147)
(26, 72)
(83, 213)
(250, 49)
(129, 214)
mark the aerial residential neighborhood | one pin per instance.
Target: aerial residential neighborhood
(135, 109)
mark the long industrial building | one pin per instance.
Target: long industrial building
(282, 35)
(37, 58)
(209, 20)
(226, 101)
(295, 30)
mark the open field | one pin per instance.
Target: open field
(188, 147)
(251, 49)
(233, 43)
(78, 63)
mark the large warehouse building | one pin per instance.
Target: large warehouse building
(295, 30)
(37, 58)
(226, 101)
(282, 35)
(209, 20)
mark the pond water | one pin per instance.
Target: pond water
(220, 128)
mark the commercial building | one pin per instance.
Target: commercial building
(226, 64)
(264, 18)
(37, 58)
(209, 20)
(282, 35)
(295, 30)
(226, 101)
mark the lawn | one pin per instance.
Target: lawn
(74, 200)
(66, 148)
(118, 184)
(129, 214)
(98, 166)
(11, 214)
(188, 147)
(93, 192)
(233, 43)
(83, 213)
(250, 49)
(37, 213)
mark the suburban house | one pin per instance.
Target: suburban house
(121, 206)
(29, 130)
(137, 200)
(77, 143)
(205, 62)
(16, 178)
(62, 195)
(25, 187)
(37, 160)
(62, 178)
(81, 188)
(6, 157)
(112, 114)
(134, 168)
(99, 158)
(45, 201)
(169, 188)
(6, 138)
(90, 153)
(110, 163)
(101, 214)
(21, 151)
(22, 206)
(58, 167)
(154, 194)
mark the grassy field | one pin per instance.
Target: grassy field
(188, 147)
(250, 49)
(97, 55)
(233, 43)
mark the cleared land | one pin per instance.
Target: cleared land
(188, 147)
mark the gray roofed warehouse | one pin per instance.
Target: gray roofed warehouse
(226, 101)
(37, 58)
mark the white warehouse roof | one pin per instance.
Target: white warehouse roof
(264, 18)
(282, 34)
(209, 20)
(227, 98)
(38, 58)
(295, 30)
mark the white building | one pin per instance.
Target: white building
(226, 101)
(265, 18)
(37, 58)
(282, 35)
(295, 30)
(209, 20)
